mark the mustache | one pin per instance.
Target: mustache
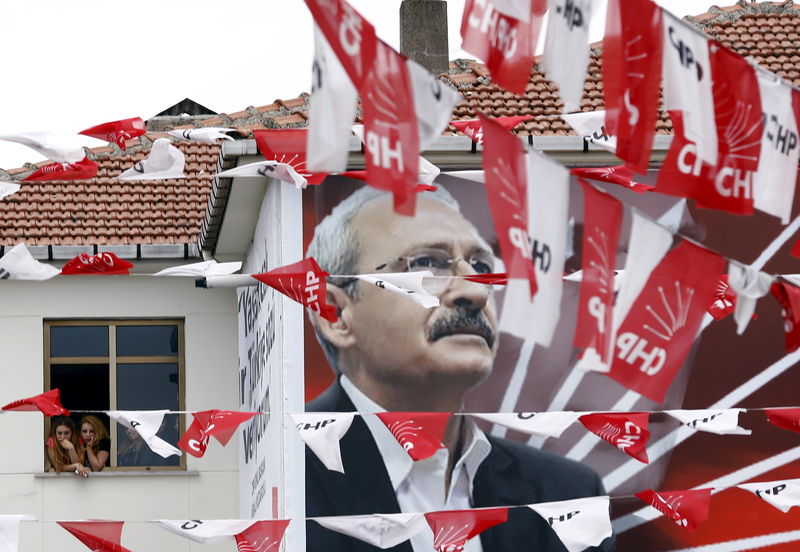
(463, 320)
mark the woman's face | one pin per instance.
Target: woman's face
(63, 432)
(87, 432)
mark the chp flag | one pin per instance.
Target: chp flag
(321, 432)
(579, 523)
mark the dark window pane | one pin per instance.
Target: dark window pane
(147, 340)
(78, 341)
(82, 387)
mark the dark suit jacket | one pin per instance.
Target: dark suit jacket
(513, 474)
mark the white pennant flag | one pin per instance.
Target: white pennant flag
(56, 148)
(687, 84)
(332, 108)
(774, 182)
(270, 169)
(164, 161)
(9, 531)
(8, 188)
(208, 531)
(146, 423)
(381, 530)
(407, 284)
(322, 431)
(19, 264)
(579, 523)
(591, 125)
(750, 285)
(518, 9)
(201, 269)
(566, 48)
(722, 422)
(544, 424)
(207, 135)
(784, 495)
(427, 171)
(434, 102)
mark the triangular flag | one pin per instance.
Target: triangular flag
(490, 279)
(419, 433)
(117, 132)
(8, 188)
(287, 146)
(270, 169)
(322, 431)
(620, 175)
(591, 125)
(788, 295)
(84, 169)
(221, 424)
(207, 531)
(19, 264)
(784, 418)
(452, 529)
(146, 423)
(97, 535)
(207, 135)
(201, 269)
(102, 263)
(9, 531)
(625, 430)
(544, 424)
(164, 161)
(724, 300)
(686, 508)
(722, 422)
(48, 403)
(304, 282)
(750, 285)
(579, 523)
(784, 495)
(262, 536)
(406, 284)
(381, 530)
(52, 146)
(472, 127)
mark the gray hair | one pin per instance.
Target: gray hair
(335, 246)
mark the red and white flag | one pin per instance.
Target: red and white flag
(287, 146)
(472, 127)
(687, 509)
(784, 495)
(270, 169)
(303, 282)
(117, 132)
(164, 161)
(85, 169)
(658, 332)
(625, 430)
(102, 263)
(579, 523)
(602, 219)
(566, 48)
(591, 125)
(322, 431)
(205, 135)
(221, 424)
(9, 531)
(784, 418)
(632, 53)
(381, 530)
(48, 403)
(620, 175)
(453, 528)
(721, 422)
(788, 295)
(262, 536)
(146, 423)
(419, 433)
(543, 424)
(19, 264)
(724, 300)
(405, 284)
(208, 531)
(97, 535)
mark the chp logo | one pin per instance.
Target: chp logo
(686, 56)
(500, 31)
(572, 14)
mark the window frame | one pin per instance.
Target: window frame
(112, 360)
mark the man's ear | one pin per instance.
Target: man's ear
(338, 333)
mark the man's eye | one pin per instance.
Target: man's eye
(425, 261)
(481, 267)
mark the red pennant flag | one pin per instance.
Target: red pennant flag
(48, 403)
(221, 424)
(102, 263)
(262, 536)
(287, 145)
(724, 300)
(632, 52)
(795, 251)
(97, 535)
(784, 418)
(788, 296)
(658, 332)
(626, 430)
(619, 174)
(506, 44)
(84, 169)
(472, 127)
(601, 226)
(686, 508)
(117, 132)
(492, 279)
(305, 283)
(452, 529)
(420, 433)
(506, 187)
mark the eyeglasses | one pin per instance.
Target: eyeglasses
(440, 263)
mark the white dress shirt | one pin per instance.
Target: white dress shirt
(420, 486)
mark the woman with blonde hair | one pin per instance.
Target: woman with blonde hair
(96, 443)
(64, 451)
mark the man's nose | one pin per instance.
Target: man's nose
(463, 293)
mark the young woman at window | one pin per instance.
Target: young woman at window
(63, 449)
(96, 443)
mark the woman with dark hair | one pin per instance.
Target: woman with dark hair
(96, 443)
(63, 449)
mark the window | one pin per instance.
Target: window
(119, 365)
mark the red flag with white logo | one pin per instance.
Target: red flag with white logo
(658, 332)
(625, 430)
(262, 536)
(419, 433)
(117, 132)
(506, 187)
(452, 529)
(784, 418)
(472, 127)
(287, 145)
(221, 424)
(102, 263)
(48, 403)
(724, 299)
(632, 52)
(620, 175)
(788, 296)
(97, 535)
(686, 508)
(601, 226)
(304, 282)
(85, 169)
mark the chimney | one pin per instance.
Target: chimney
(423, 33)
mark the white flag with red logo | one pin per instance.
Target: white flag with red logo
(146, 423)
(579, 523)
(591, 125)
(419, 433)
(206, 135)
(262, 536)
(9, 531)
(686, 508)
(452, 529)
(322, 431)
(303, 281)
(207, 531)
(566, 48)
(221, 424)
(19, 264)
(625, 430)
(784, 495)
(543, 424)
(381, 530)
(163, 162)
(722, 422)
(405, 284)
